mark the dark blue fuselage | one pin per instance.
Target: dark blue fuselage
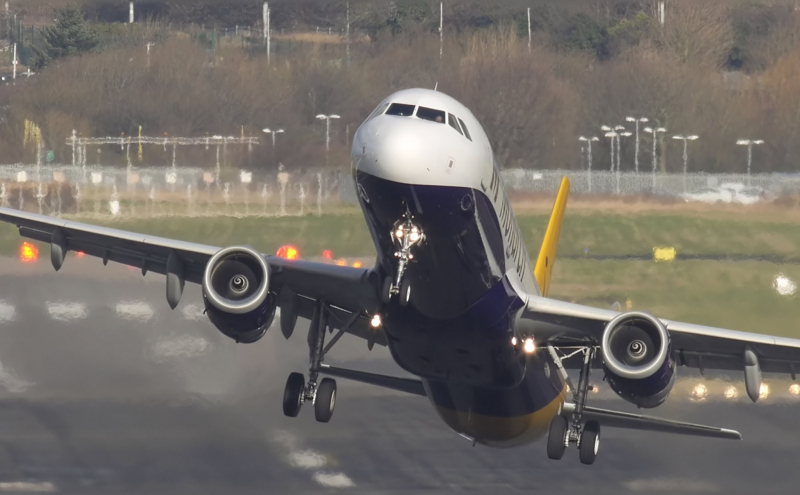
(456, 332)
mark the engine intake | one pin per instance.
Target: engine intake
(637, 358)
(236, 293)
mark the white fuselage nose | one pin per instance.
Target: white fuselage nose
(414, 151)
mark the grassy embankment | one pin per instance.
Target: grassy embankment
(735, 294)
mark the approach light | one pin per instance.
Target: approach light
(700, 392)
(327, 254)
(288, 253)
(763, 392)
(80, 254)
(795, 390)
(357, 264)
(375, 321)
(341, 262)
(731, 392)
(530, 346)
(28, 253)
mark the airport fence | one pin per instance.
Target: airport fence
(105, 191)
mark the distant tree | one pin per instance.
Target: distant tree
(69, 35)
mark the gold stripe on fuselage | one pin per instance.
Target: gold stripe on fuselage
(496, 431)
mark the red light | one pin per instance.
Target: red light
(288, 253)
(80, 254)
(28, 253)
(327, 254)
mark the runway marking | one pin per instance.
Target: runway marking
(333, 480)
(307, 459)
(311, 459)
(7, 312)
(193, 312)
(28, 487)
(184, 346)
(66, 311)
(671, 485)
(135, 311)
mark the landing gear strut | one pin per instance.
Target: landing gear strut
(573, 430)
(322, 395)
(405, 234)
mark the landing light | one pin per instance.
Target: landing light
(763, 392)
(529, 346)
(414, 236)
(376, 321)
(700, 392)
(28, 253)
(399, 233)
(288, 253)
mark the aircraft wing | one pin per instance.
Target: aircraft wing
(695, 346)
(347, 290)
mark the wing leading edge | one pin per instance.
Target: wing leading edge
(349, 290)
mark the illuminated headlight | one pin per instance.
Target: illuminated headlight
(514, 341)
(399, 233)
(763, 393)
(375, 321)
(414, 235)
(700, 391)
(529, 346)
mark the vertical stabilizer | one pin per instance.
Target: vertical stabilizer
(547, 254)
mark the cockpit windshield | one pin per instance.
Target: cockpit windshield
(425, 113)
(401, 110)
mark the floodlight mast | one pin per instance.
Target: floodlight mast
(589, 142)
(643, 120)
(749, 143)
(327, 119)
(685, 140)
(654, 132)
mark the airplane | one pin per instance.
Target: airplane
(452, 294)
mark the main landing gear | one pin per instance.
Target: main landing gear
(573, 430)
(323, 394)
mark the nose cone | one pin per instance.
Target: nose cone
(400, 150)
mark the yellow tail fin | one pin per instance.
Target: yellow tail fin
(547, 255)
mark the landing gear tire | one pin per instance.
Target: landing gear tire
(405, 292)
(557, 439)
(386, 290)
(293, 394)
(325, 400)
(590, 442)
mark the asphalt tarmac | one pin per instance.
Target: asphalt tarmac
(104, 389)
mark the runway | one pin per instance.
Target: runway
(104, 389)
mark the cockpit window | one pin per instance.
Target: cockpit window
(466, 131)
(378, 111)
(451, 119)
(425, 113)
(401, 110)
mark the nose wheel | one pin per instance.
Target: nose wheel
(405, 235)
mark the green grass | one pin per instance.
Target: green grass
(730, 294)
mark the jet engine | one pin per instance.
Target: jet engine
(236, 293)
(637, 358)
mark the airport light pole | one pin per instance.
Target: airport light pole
(643, 120)
(588, 142)
(749, 143)
(620, 134)
(654, 132)
(685, 140)
(274, 134)
(609, 133)
(327, 119)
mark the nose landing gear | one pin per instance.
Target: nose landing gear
(405, 235)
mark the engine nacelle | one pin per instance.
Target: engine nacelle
(637, 357)
(236, 293)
